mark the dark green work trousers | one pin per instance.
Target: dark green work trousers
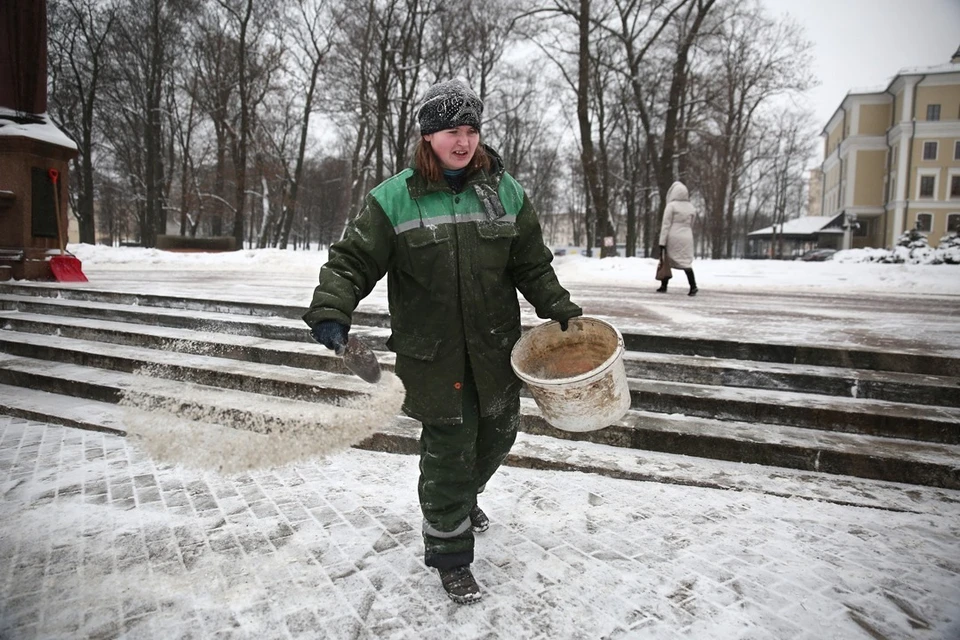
(455, 463)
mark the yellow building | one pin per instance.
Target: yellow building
(892, 158)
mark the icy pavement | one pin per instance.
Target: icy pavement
(98, 541)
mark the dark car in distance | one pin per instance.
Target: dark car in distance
(818, 255)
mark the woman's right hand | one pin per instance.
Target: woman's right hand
(330, 334)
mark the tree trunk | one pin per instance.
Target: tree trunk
(240, 168)
(587, 154)
(290, 208)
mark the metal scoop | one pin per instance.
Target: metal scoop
(360, 359)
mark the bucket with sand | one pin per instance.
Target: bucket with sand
(576, 377)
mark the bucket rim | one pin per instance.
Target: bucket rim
(599, 370)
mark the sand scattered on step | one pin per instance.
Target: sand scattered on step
(201, 428)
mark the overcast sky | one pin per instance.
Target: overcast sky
(845, 34)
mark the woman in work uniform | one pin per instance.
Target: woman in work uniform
(456, 237)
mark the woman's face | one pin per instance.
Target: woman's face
(454, 147)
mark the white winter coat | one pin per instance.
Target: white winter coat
(676, 232)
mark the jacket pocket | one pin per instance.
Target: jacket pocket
(425, 252)
(411, 346)
(496, 241)
(505, 336)
(426, 236)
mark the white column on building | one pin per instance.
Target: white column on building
(850, 173)
(903, 179)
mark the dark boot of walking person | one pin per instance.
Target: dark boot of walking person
(663, 286)
(692, 279)
(479, 521)
(460, 584)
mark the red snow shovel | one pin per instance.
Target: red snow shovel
(66, 268)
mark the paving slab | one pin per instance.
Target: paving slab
(96, 540)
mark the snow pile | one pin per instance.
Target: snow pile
(103, 256)
(912, 248)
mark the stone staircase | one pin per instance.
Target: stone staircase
(67, 354)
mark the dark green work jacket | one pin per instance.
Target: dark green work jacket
(454, 263)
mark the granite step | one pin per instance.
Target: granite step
(640, 432)
(887, 459)
(191, 360)
(116, 323)
(82, 346)
(16, 295)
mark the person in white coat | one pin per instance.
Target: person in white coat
(676, 234)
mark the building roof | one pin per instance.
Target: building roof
(947, 67)
(805, 226)
(37, 126)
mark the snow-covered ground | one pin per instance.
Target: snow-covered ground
(97, 539)
(847, 270)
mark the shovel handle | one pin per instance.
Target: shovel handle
(55, 179)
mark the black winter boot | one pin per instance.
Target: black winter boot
(479, 521)
(663, 286)
(460, 585)
(692, 279)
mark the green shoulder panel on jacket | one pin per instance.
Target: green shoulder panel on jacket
(408, 202)
(394, 199)
(511, 194)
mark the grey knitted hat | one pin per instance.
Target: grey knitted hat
(447, 105)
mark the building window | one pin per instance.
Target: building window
(930, 150)
(927, 186)
(933, 112)
(956, 150)
(953, 223)
(924, 222)
(955, 187)
(864, 228)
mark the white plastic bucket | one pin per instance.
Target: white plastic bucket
(576, 376)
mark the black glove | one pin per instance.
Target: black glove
(663, 249)
(330, 334)
(565, 322)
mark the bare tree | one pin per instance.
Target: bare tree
(186, 150)
(248, 24)
(143, 43)
(569, 41)
(213, 62)
(755, 60)
(686, 18)
(378, 76)
(788, 152)
(78, 37)
(313, 29)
